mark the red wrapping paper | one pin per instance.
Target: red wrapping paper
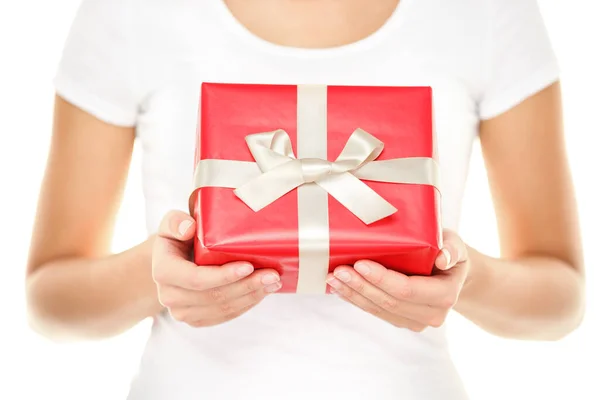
(228, 230)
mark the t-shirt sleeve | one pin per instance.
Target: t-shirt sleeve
(520, 59)
(96, 69)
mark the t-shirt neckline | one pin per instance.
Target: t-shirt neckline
(232, 23)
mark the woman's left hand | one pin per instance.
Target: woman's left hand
(412, 302)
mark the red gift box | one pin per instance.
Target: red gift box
(271, 186)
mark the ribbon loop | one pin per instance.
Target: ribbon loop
(360, 149)
(270, 149)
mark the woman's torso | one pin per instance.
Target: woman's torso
(294, 346)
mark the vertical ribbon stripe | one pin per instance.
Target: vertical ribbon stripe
(313, 215)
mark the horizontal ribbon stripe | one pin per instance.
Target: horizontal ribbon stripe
(234, 174)
(277, 171)
(224, 173)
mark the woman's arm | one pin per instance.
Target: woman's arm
(536, 289)
(77, 289)
(74, 286)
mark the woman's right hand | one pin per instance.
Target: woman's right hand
(203, 295)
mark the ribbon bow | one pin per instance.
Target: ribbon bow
(283, 172)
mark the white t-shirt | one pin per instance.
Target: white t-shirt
(131, 62)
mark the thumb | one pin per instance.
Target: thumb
(452, 252)
(177, 225)
(173, 239)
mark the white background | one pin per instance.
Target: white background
(31, 38)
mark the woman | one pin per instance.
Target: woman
(132, 69)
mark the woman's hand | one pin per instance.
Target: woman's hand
(412, 302)
(203, 295)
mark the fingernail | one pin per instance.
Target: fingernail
(184, 226)
(244, 270)
(447, 256)
(269, 279)
(362, 268)
(273, 288)
(342, 276)
(334, 283)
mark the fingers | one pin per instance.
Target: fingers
(267, 281)
(391, 282)
(437, 291)
(171, 267)
(418, 312)
(203, 295)
(351, 296)
(173, 271)
(174, 297)
(343, 276)
(218, 313)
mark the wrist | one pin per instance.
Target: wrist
(143, 265)
(477, 276)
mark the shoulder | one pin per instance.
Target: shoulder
(512, 12)
(486, 11)
(508, 4)
(104, 10)
(96, 67)
(136, 13)
(116, 51)
(520, 58)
